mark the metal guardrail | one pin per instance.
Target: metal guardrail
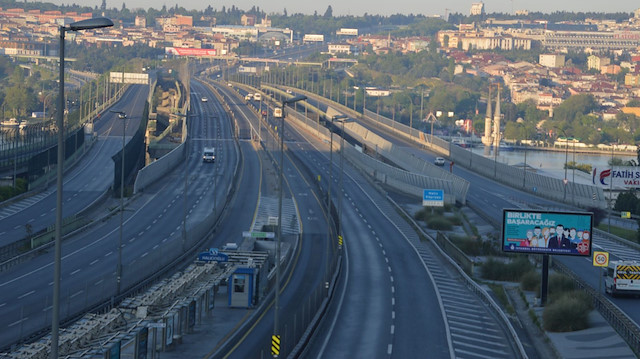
(625, 327)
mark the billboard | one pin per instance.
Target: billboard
(618, 177)
(347, 32)
(547, 232)
(186, 51)
(313, 38)
(128, 78)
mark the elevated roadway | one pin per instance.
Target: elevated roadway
(151, 235)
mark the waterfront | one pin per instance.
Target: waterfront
(551, 163)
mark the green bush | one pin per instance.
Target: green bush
(567, 313)
(439, 223)
(511, 271)
(455, 220)
(560, 284)
(7, 192)
(530, 281)
(470, 246)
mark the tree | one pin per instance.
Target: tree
(329, 12)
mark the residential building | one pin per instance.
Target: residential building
(596, 62)
(551, 60)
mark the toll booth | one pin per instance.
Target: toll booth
(242, 286)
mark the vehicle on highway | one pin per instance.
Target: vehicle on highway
(439, 161)
(122, 115)
(622, 277)
(277, 112)
(257, 96)
(289, 91)
(204, 99)
(209, 154)
(248, 97)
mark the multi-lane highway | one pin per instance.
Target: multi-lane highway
(152, 234)
(491, 198)
(84, 183)
(388, 299)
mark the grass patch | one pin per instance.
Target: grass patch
(440, 223)
(509, 271)
(628, 234)
(501, 295)
(534, 318)
(472, 246)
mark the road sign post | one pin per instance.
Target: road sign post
(600, 259)
(433, 198)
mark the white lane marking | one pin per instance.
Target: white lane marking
(107, 254)
(393, 314)
(156, 246)
(393, 301)
(2, 305)
(393, 329)
(390, 349)
(389, 268)
(76, 294)
(393, 289)
(93, 262)
(75, 271)
(18, 322)
(144, 255)
(47, 308)
(99, 282)
(26, 294)
(391, 279)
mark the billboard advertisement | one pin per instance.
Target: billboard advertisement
(186, 51)
(313, 38)
(347, 32)
(547, 232)
(618, 177)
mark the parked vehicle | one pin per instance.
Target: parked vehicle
(622, 277)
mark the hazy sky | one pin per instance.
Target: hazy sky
(383, 7)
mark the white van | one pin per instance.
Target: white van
(248, 97)
(257, 96)
(209, 154)
(622, 277)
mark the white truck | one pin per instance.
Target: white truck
(277, 112)
(257, 96)
(622, 277)
(209, 154)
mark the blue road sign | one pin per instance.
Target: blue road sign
(433, 197)
(213, 256)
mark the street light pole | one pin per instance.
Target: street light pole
(333, 119)
(276, 324)
(123, 117)
(566, 161)
(55, 315)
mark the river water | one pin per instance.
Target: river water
(550, 163)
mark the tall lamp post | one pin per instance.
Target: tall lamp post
(333, 119)
(87, 24)
(566, 161)
(123, 117)
(276, 324)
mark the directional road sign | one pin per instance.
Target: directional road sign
(433, 197)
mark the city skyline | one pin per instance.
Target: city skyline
(359, 7)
